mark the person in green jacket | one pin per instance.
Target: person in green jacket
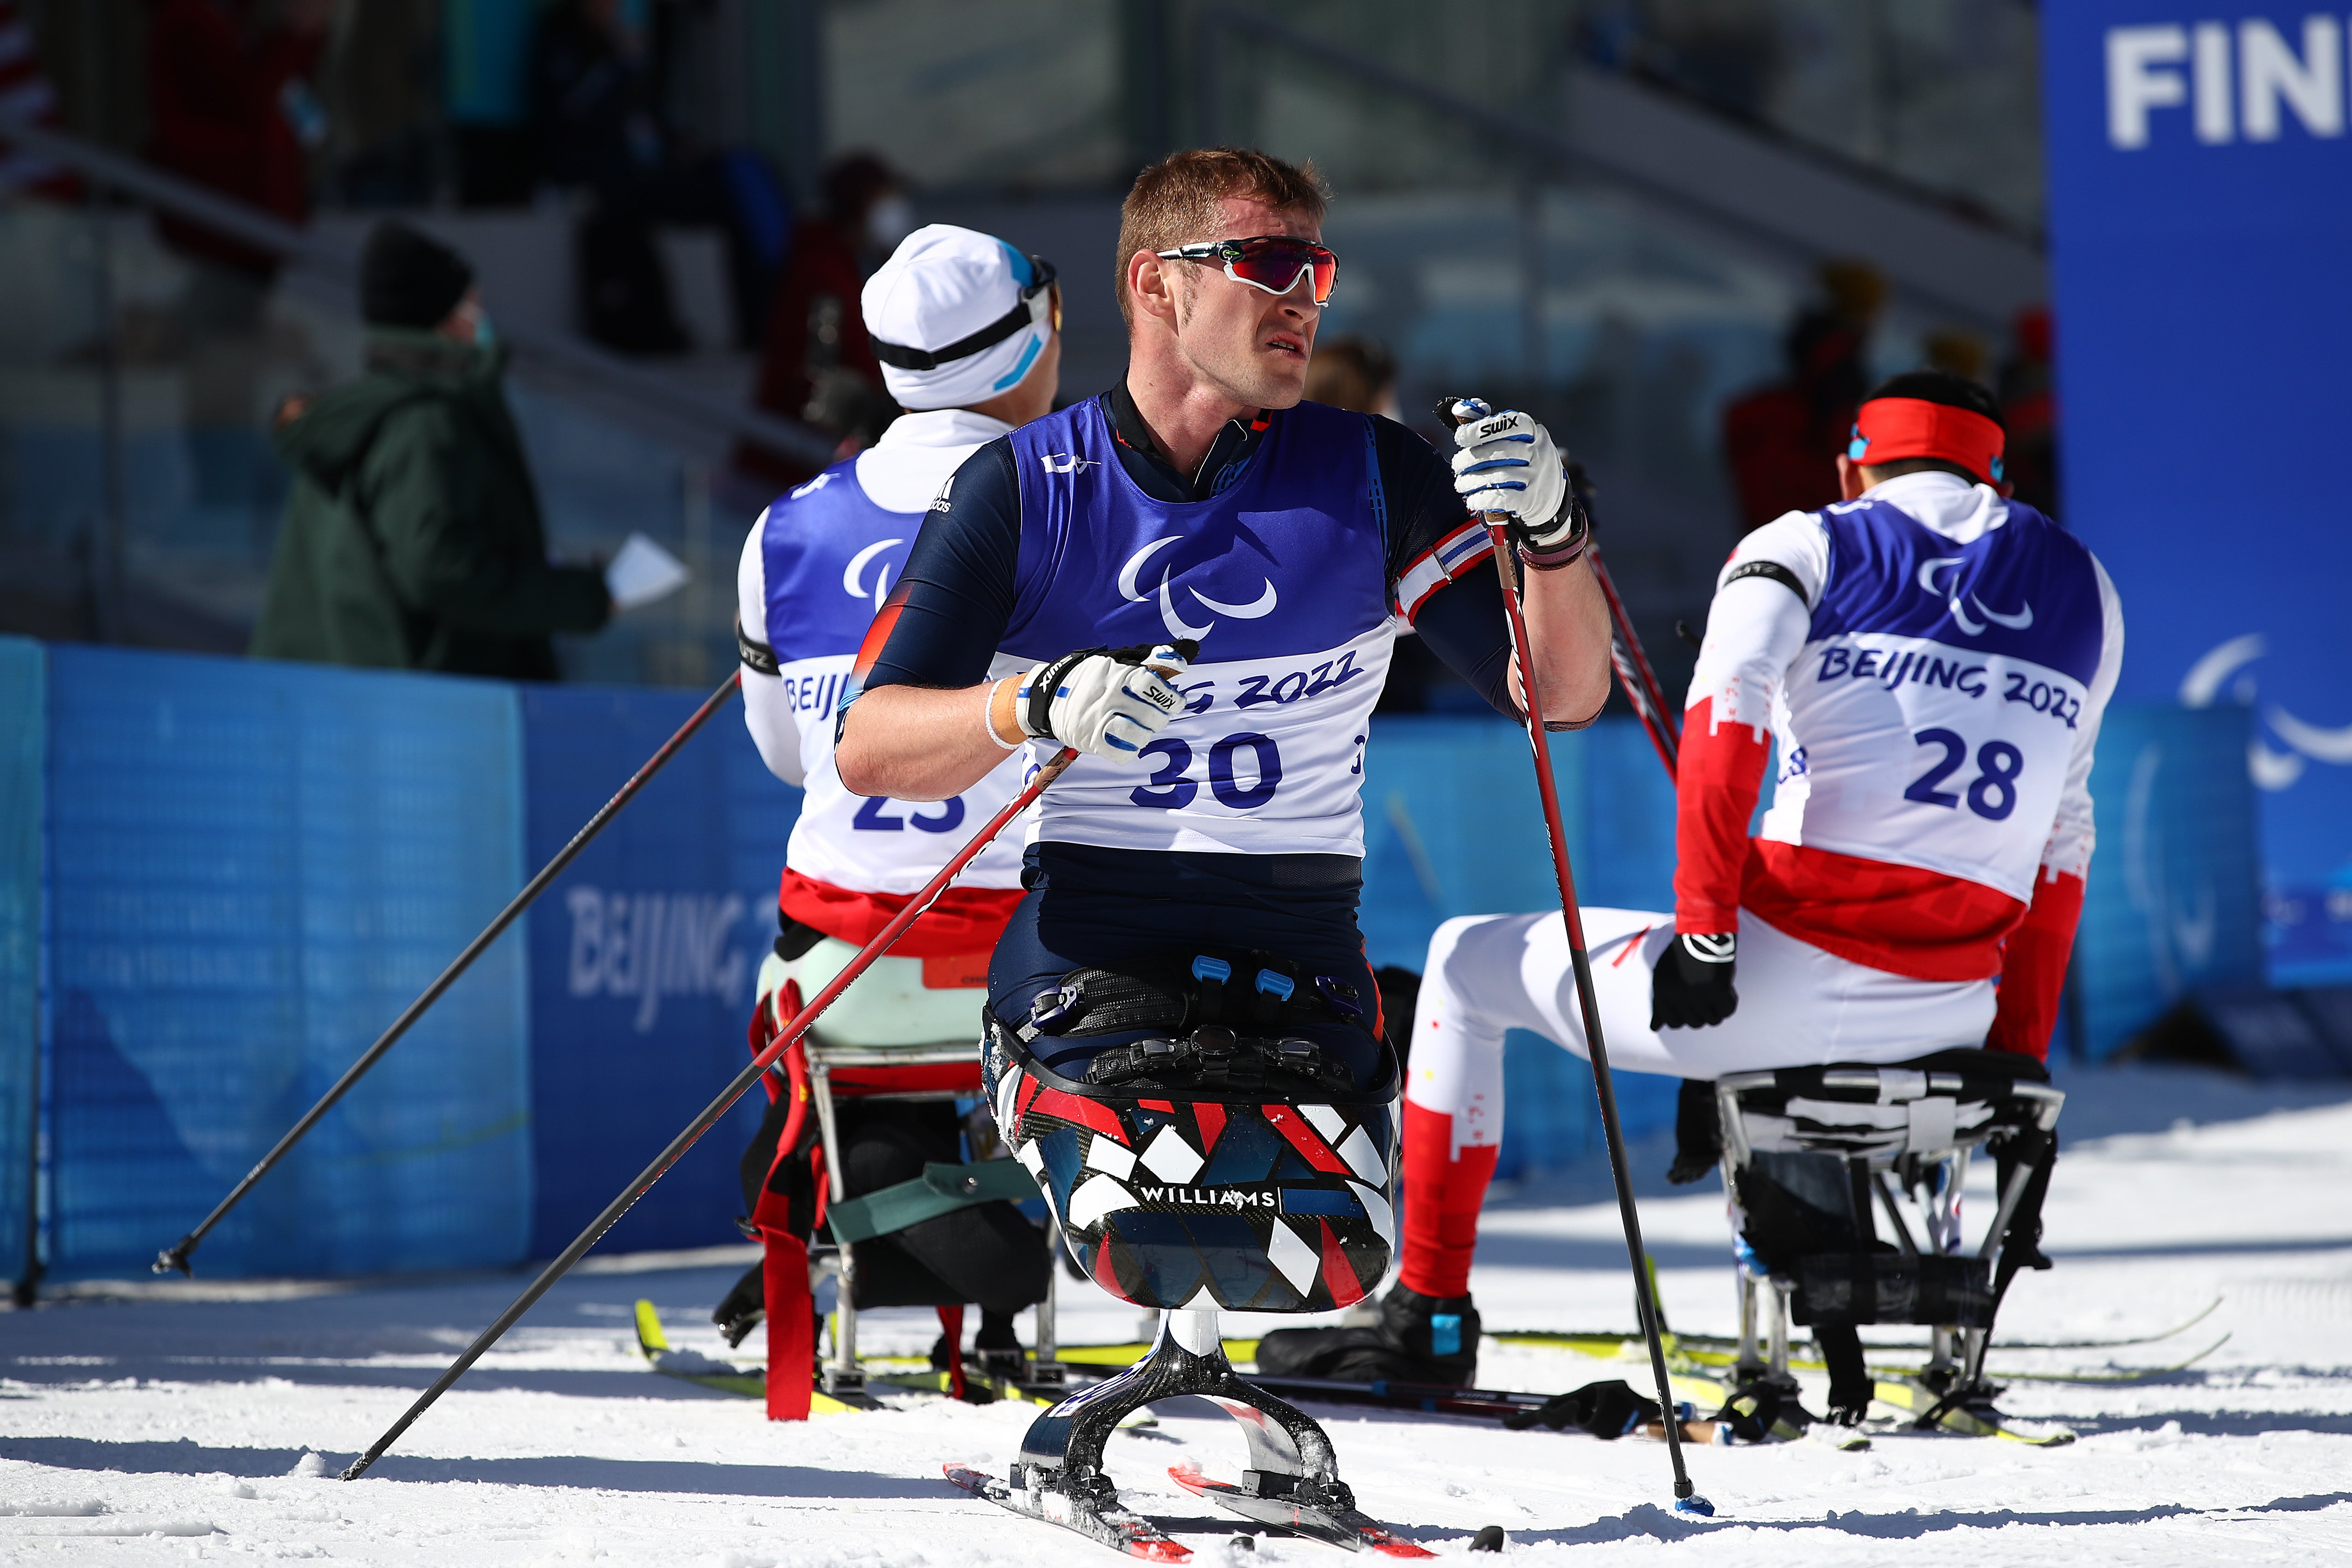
(413, 537)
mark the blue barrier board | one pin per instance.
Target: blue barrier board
(643, 959)
(2199, 217)
(254, 867)
(2173, 905)
(23, 691)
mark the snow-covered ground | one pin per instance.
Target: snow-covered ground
(165, 1424)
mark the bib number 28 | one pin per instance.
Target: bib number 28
(1991, 795)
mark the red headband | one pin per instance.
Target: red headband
(1888, 429)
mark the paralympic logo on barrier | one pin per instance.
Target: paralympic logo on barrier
(2272, 768)
(647, 946)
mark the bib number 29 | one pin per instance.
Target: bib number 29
(1991, 795)
(1230, 761)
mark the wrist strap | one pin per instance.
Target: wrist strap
(988, 718)
(1555, 558)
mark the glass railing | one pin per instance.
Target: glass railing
(140, 494)
(1941, 93)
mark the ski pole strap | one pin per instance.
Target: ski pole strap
(939, 1190)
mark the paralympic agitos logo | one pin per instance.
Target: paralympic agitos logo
(1130, 574)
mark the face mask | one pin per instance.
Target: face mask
(890, 220)
(486, 337)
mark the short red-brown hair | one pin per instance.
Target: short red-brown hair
(1174, 202)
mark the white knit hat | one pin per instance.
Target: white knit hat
(957, 317)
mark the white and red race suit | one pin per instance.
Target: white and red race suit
(1932, 661)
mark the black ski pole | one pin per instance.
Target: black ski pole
(176, 1257)
(882, 942)
(1620, 1170)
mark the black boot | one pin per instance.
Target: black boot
(1419, 1339)
(745, 1308)
(996, 1347)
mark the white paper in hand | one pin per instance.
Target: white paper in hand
(642, 572)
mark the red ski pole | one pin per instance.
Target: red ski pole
(784, 1040)
(1620, 1170)
(1634, 674)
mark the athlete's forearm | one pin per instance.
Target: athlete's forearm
(1567, 625)
(914, 742)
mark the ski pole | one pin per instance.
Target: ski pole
(1507, 566)
(176, 1257)
(1634, 674)
(784, 1040)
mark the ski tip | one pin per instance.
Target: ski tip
(1695, 1505)
(1490, 1539)
(1395, 1546)
(650, 1338)
(1188, 1475)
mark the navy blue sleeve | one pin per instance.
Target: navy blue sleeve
(942, 623)
(1418, 491)
(1463, 623)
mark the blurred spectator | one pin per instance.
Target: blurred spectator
(2029, 406)
(386, 104)
(1783, 440)
(816, 363)
(600, 129)
(412, 537)
(1961, 353)
(230, 105)
(485, 97)
(26, 98)
(1353, 373)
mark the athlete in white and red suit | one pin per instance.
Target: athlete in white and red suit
(1932, 661)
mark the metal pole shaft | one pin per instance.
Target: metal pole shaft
(882, 942)
(1588, 1003)
(177, 1256)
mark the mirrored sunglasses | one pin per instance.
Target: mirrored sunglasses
(1273, 262)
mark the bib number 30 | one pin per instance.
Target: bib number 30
(1255, 753)
(1991, 795)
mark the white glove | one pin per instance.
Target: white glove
(1507, 462)
(1108, 703)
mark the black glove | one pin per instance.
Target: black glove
(1691, 988)
(1607, 1410)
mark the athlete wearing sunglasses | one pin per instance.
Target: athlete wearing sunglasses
(1195, 580)
(1201, 500)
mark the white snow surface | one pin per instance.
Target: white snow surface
(152, 1423)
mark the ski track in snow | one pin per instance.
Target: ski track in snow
(161, 1423)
